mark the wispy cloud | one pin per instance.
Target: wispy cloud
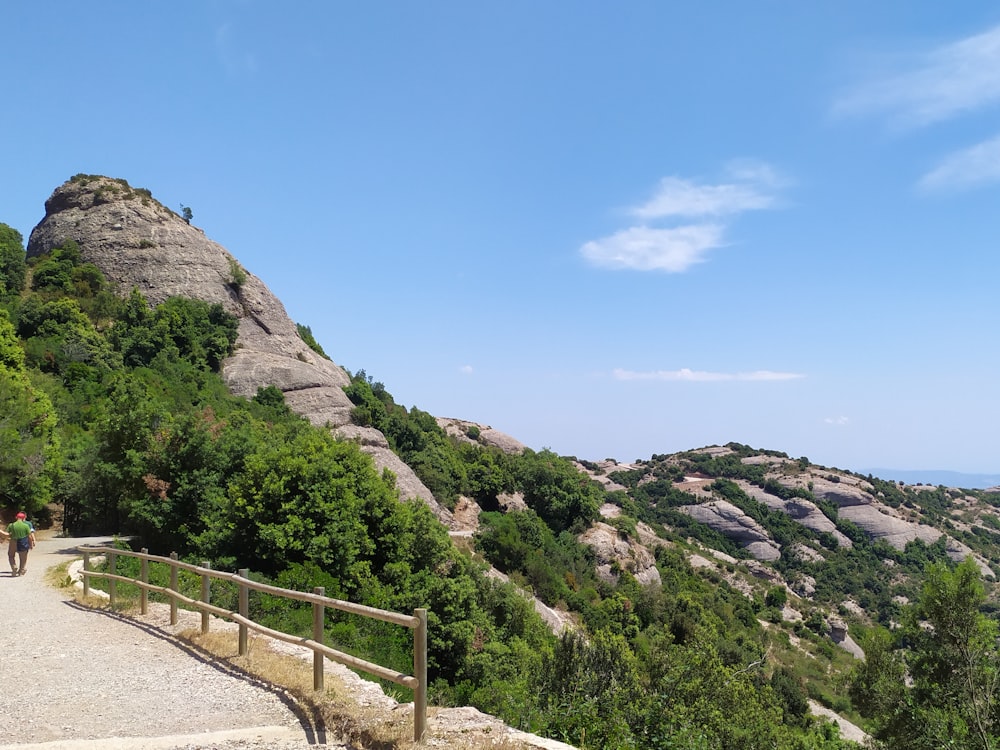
(233, 55)
(466, 369)
(936, 85)
(749, 186)
(837, 421)
(702, 376)
(970, 167)
(677, 197)
(647, 249)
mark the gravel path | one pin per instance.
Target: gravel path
(81, 679)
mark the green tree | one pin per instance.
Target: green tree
(557, 492)
(306, 334)
(179, 329)
(591, 691)
(698, 701)
(301, 497)
(13, 265)
(776, 597)
(935, 684)
(60, 338)
(29, 443)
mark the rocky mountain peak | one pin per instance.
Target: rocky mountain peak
(138, 243)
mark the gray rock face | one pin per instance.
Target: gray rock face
(958, 551)
(138, 243)
(840, 635)
(611, 548)
(799, 509)
(856, 504)
(460, 428)
(803, 586)
(599, 471)
(733, 523)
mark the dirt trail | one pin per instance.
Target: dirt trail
(82, 679)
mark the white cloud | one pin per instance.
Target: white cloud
(750, 186)
(677, 197)
(465, 369)
(648, 249)
(947, 81)
(838, 421)
(977, 165)
(687, 375)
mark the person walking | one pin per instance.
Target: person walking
(22, 539)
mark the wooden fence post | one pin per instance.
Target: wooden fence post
(173, 587)
(206, 592)
(319, 612)
(86, 569)
(144, 575)
(244, 610)
(420, 672)
(112, 588)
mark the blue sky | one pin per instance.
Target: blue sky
(608, 229)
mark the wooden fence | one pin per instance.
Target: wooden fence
(417, 621)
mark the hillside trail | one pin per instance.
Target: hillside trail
(77, 678)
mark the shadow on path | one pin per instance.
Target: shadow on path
(309, 718)
(87, 672)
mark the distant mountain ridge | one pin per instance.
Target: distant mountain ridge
(936, 477)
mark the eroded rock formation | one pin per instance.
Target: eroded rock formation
(139, 243)
(614, 552)
(733, 523)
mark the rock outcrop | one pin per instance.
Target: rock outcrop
(799, 509)
(614, 551)
(839, 634)
(856, 504)
(958, 551)
(477, 434)
(139, 243)
(731, 522)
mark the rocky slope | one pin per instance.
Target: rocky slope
(824, 501)
(139, 243)
(855, 499)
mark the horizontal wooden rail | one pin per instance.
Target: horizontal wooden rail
(417, 621)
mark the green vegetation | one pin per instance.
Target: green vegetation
(12, 264)
(114, 189)
(115, 410)
(29, 443)
(933, 682)
(237, 276)
(306, 334)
